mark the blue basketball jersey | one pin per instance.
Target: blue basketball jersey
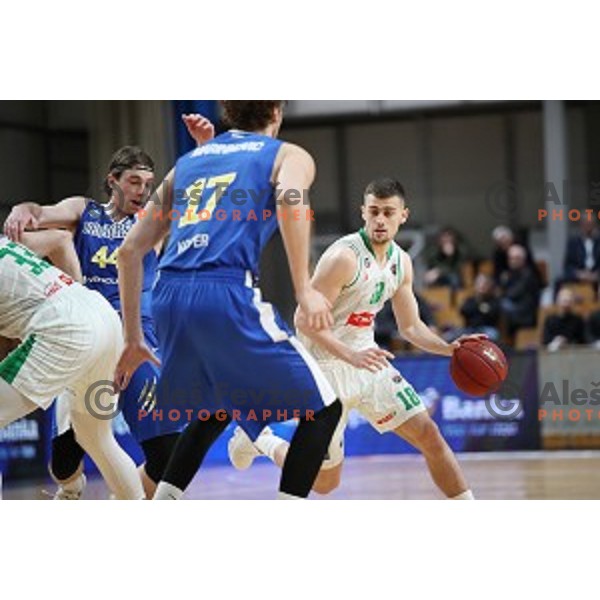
(224, 209)
(97, 241)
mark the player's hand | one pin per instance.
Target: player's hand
(371, 359)
(455, 345)
(316, 309)
(19, 219)
(199, 127)
(132, 357)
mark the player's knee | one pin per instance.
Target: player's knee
(327, 481)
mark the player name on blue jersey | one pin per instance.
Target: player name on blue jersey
(214, 224)
(111, 231)
(228, 148)
(97, 241)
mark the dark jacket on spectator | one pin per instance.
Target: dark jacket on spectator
(575, 256)
(570, 326)
(500, 260)
(521, 287)
(481, 311)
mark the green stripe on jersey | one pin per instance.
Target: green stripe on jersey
(358, 267)
(400, 273)
(367, 242)
(13, 363)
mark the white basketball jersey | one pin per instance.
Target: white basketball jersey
(26, 282)
(360, 300)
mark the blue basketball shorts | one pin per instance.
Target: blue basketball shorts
(226, 352)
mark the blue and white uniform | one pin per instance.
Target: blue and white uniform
(222, 346)
(97, 241)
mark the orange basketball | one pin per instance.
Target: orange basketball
(478, 367)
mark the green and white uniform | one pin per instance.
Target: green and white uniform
(71, 340)
(70, 336)
(384, 398)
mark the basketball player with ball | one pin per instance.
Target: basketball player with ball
(358, 274)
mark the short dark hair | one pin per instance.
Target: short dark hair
(127, 157)
(385, 187)
(249, 115)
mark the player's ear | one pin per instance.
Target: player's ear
(278, 115)
(363, 212)
(405, 215)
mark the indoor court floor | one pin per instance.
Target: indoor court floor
(540, 475)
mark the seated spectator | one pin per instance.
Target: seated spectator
(504, 238)
(482, 310)
(445, 260)
(582, 258)
(520, 291)
(594, 328)
(565, 327)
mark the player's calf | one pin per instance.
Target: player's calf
(423, 433)
(157, 452)
(242, 453)
(328, 480)
(307, 450)
(67, 456)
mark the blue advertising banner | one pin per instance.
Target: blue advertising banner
(24, 447)
(507, 421)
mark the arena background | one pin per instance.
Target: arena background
(468, 165)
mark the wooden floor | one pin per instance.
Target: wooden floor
(516, 475)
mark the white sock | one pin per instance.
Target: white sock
(284, 496)
(468, 495)
(76, 485)
(268, 443)
(166, 491)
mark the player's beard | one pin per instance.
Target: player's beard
(380, 239)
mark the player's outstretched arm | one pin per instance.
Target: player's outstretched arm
(29, 215)
(56, 245)
(408, 320)
(294, 174)
(149, 231)
(335, 269)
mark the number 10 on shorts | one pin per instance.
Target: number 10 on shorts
(409, 398)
